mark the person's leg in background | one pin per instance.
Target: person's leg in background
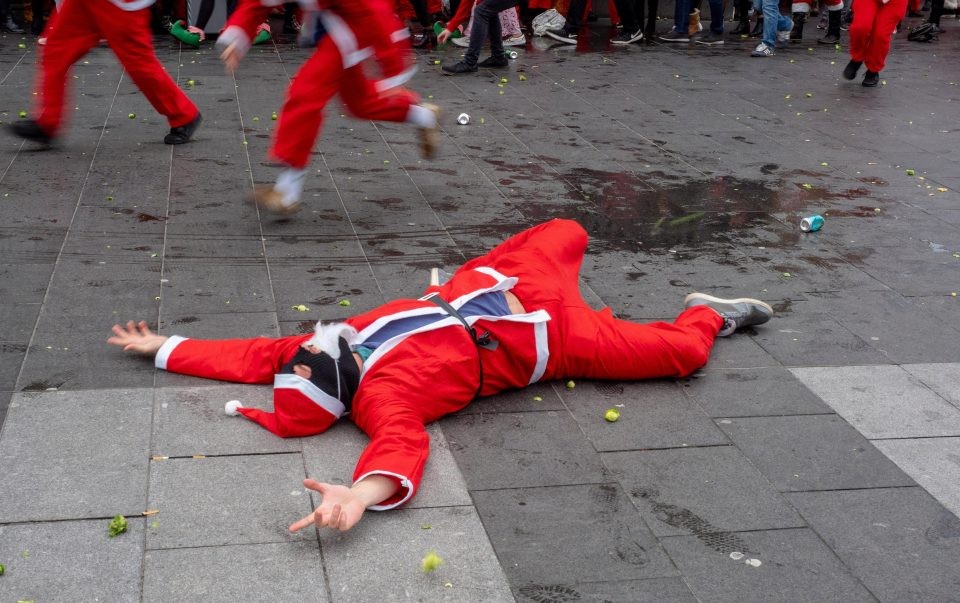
(743, 18)
(881, 35)
(632, 25)
(834, 10)
(681, 23)
(801, 8)
(863, 18)
(650, 29)
(570, 31)
(6, 19)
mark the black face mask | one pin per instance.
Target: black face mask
(339, 378)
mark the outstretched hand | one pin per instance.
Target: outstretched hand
(443, 36)
(137, 337)
(340, 509)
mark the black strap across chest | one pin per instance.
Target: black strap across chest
(482, 340)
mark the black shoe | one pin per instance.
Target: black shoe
(736, 313)
(501, 61)
(10, 25)
(562, 34)
(757, 29)
(459, 67)
(870, 79)
(711, 38)
(674, 36)
(628, 37)
(850, 71)
(31, 130)
(914, 14)
(829, 38)
(796, 34)
(742, 29)
(182, 134)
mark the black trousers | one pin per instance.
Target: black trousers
(486, 24)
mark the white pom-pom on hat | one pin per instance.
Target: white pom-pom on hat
(326, 338)
(231, 407)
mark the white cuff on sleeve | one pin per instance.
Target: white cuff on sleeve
(163, 354)
(405, 484)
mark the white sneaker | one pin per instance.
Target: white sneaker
(515, 40)
(762, 50)
(462, 41)
(783, 38)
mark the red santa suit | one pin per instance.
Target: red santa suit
(355, 30)
(420, 376)
(125, 24)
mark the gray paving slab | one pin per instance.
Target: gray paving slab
(900, 543)
(216, 501)
(943, 378)
(357, 565)
(511, 450)
(71, 561)
(641, 591)
(821, 452)
(653, 414)
(570, 534)
(704, 491)
(933, 462)
(254, 572)
(872, 399)
(71, 455)
(751, 392)
(793, 565)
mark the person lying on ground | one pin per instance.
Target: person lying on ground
(504, 320)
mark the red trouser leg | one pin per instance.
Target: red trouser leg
(598, 346)
(302, 114)
(864, 14)
(75, 34)
(364, 101)
(130, 38)
(887, 17)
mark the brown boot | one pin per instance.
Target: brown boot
(694, 27)
(266, 197)
(430, 137)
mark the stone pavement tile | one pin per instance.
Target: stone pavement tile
(514, 450)
(356, 563)
(24, 283)
(882, 401)
(654, 414)
(191, 421)
(222, 246)
(70, 455)
(4, 403)
(31, 245)
(570, 534)
(810, 337)
(220, 326)
(519, 400)
(256, 572)
(81, 360)
(900, 543)
(933, 462)
(702, 491)
(71, 561)
(209, 287)
(896, 326)
(11, 358)
(112, 248)
(202, 500)
(741, 351)
(912, 272)
(321, 286)
(943, 378)
(650, 590)
(127, 216)
(821, 452)
(751, 392)
(332, 456)
(796, 565)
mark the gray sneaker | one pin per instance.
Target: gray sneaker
(736, 313)
(711, 38)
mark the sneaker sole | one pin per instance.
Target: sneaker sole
(739, 300)
(561, 38)
(712, 43)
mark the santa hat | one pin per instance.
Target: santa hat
(304, 407)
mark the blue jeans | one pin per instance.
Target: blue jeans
(716, 16)
(681, 16)
(773, 22)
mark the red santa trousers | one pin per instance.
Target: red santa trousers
(872, 31)
(80, 26)
(317, 81)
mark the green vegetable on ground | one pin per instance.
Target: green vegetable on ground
(118, 525)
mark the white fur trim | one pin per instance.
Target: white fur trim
(396, 80)
(132, 5)
(327, 337)
(404, 483)
(400, 35)
(231, 408)
(307, 388)
(543, 351)
(163, 354)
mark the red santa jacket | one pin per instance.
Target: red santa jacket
(359, 28)
(418, 377)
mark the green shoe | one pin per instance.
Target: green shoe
(439, 26)
(178, 31)
(263, 35)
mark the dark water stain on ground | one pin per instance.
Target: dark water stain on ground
(144, 217)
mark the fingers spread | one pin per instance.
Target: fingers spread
(315, 485)
(302, 523)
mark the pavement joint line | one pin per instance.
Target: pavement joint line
(200, 457)
(693, 447)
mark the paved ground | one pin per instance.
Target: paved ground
(816, 458)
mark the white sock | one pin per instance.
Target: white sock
(290, 184)
(419, 115)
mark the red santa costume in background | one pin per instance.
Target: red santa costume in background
(125, 24)
(417, 377)
(354, 31)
